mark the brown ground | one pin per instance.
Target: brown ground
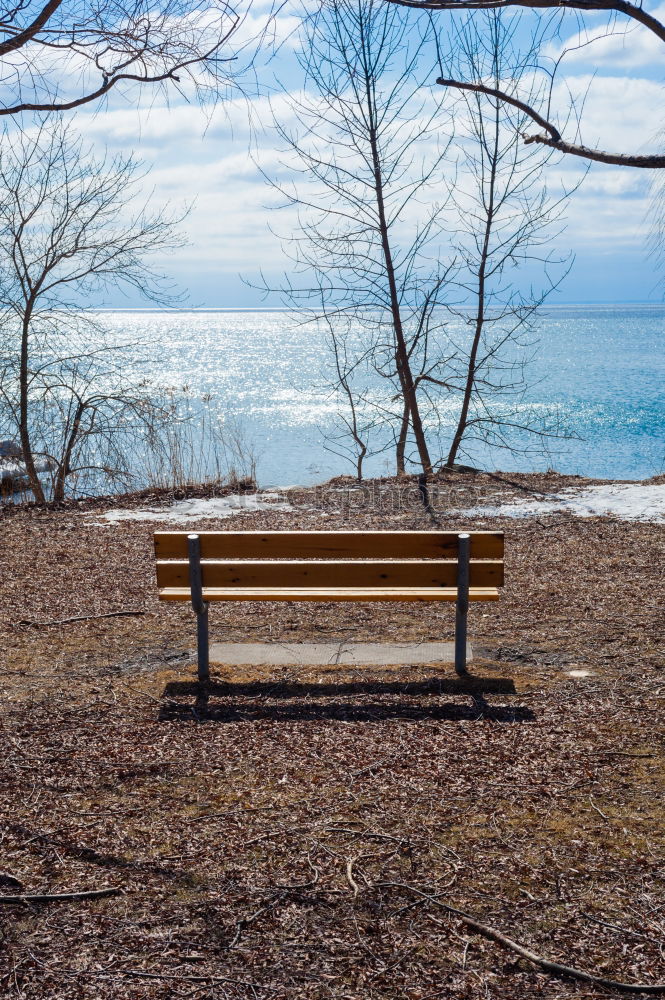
(253, 844)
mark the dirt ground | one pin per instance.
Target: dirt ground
(294, 838)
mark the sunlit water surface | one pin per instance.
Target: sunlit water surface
(600, 368)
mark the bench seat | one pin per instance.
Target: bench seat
(329, 594)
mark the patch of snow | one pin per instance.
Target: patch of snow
(579, 673)
(16, 470)
(10, 470)
(192, 510)
(628, 501)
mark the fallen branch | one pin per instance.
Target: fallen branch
(79, 618)
(193, 979)
(554, 967)
(349, 877)
(246, 921)
(55, 897)
(367, 834)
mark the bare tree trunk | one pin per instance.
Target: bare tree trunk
(480, 309)
(65, 463)
(401, 354)
(400, 450)
(359, 464)
(24, 413)
(370, 234)
(355, 433)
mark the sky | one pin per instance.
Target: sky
(211, 161)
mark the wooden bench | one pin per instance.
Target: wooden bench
(329, 566)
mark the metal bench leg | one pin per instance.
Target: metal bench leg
(462, 607)
(199, 606)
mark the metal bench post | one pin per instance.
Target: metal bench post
(199, 605)
(462, 606)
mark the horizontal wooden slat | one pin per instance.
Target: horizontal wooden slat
(347, 573)
(328, 544)
(330, 594)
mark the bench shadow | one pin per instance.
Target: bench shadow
(297, 689)
(305, 710)
(311, 711)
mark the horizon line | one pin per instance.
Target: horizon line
(286, 309)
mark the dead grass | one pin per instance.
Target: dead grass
(237, 839)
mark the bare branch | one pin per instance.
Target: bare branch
(361, 152)
(556, 968)
(28, 34)
(59, 897)
(90, 50)
(551, 136)
(554, 139)
(630, 10)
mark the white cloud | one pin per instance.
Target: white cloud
(619, 114)
(201, 156)
(625, 45)
(204, 159)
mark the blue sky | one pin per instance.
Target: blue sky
(199, 157)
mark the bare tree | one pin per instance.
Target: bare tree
(367, 155)
(550, 135)
(67, 391)
(380, 294)
(506, 219)
(61, 54)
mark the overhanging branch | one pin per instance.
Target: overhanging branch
(77, 102)
(553, 138)
(23, 37)
(617, 6)
(141, 41)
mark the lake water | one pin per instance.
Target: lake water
(599, 369)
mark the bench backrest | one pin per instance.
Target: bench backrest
(303, 559)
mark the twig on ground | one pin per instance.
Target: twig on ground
(615, 927)
(191, 979)
(349, 877)
(47, 897)
(599, 811)
(274, 833)
(366, 833)
(150, 697)
(246, 921)
(370, 767)
(554, 967)
(79, 618)
(296, 886)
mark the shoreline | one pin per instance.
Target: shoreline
(460, 492)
